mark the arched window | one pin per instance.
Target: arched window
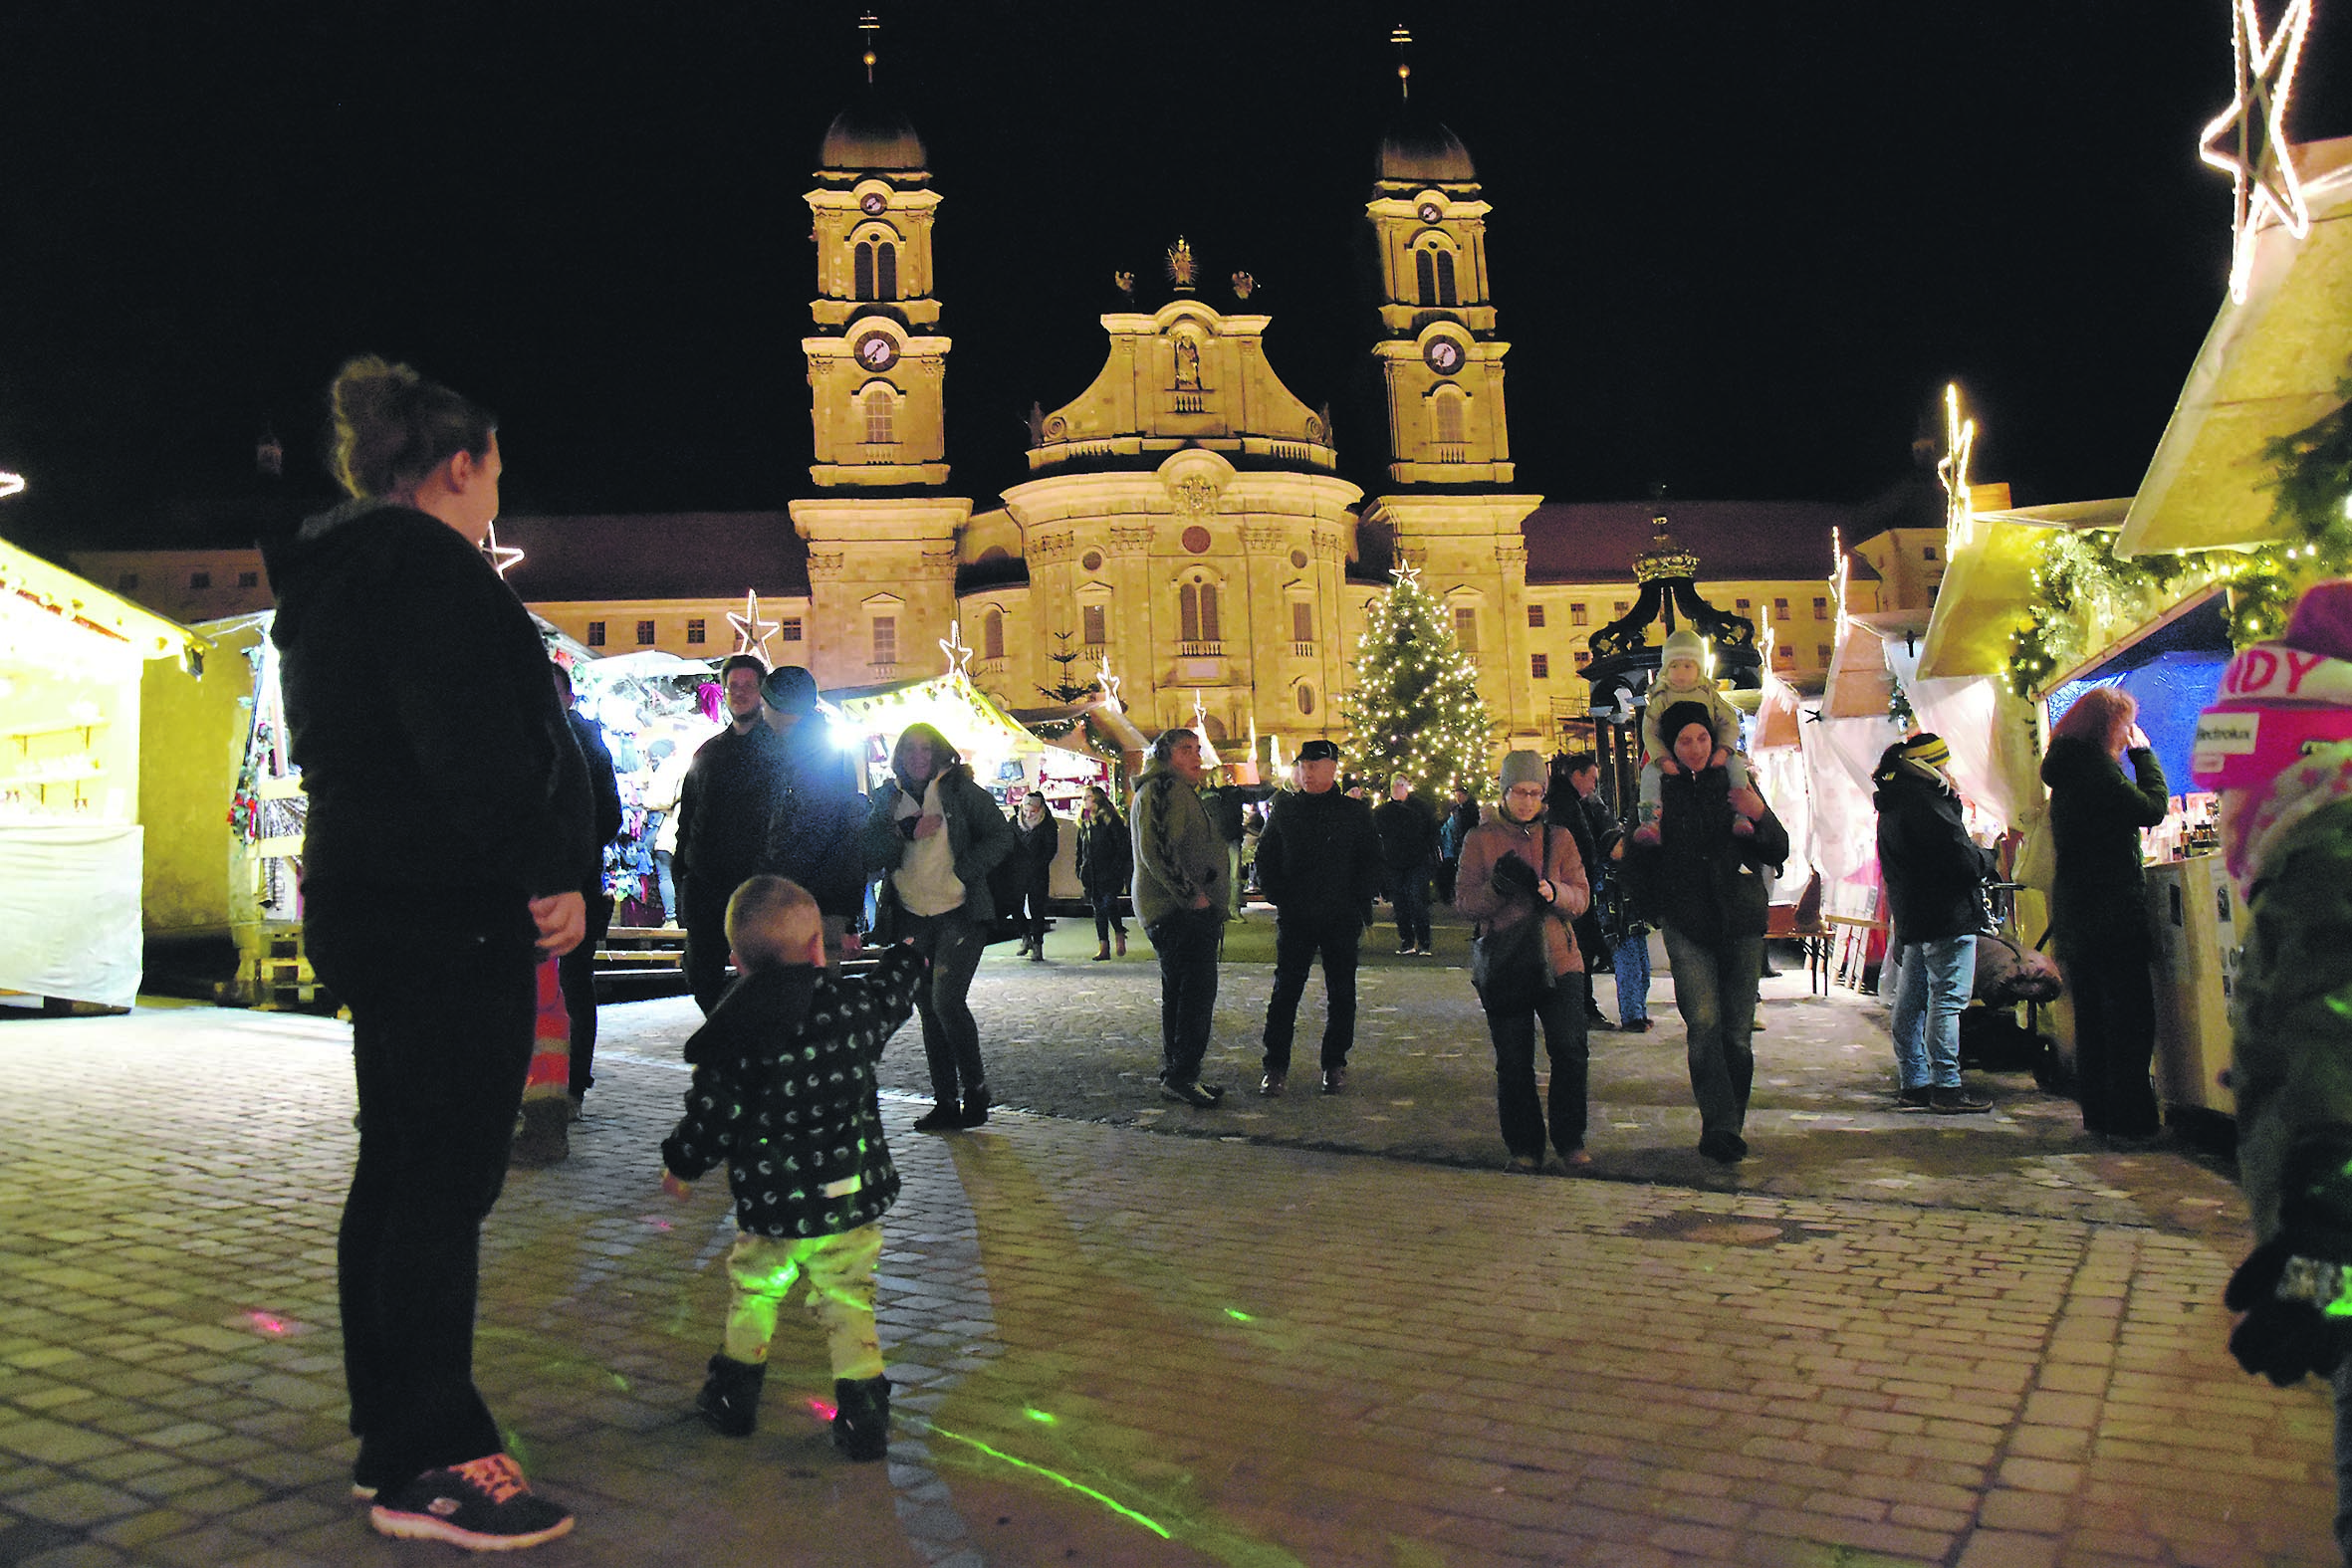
(1196, 612)
(1305, 700)
(864, 268)
(886, 272)
(1425, 275)
(1445, 276)
(991, 634)
(1445, 418)
(880, 416)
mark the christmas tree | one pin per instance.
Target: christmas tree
(1415, 710)
(1067, 688)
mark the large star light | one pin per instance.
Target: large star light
(1960, 440)
(503, 557)
(2260, 165)
(959, 657)
(1109, 682)
(750, 632)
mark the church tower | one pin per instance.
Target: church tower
(880, 529)
(1450, 510)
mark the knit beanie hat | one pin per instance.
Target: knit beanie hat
(1926, 749)
(1681, 716)
(789, 688)
(2281, 700)
(1523, 768)
(1684, 644)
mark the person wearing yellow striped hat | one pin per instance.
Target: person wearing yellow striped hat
(1933, 871)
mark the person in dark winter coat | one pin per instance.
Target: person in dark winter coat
(1183, 899)
(577, 967)
(1519, 868)
(1106, 862)
(1934, 876)
(935, 835)
(1320, 865)
(784, 1094)
(817, 809)
(2098, 905)
(725, 810)
(1408, 853)
(1461, 817)
(449, 830)
(1574, 802)
(1037, 839)
(1708, 885)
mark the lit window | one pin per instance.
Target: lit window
(790, 630)
(1738, 607)
(1092, 617)
(1465, 627)
(1620, 609)
(1577, 616)
(199, 579)
(249, 580)
(885, 639)
(1783, 657)
(1535, 616)
(881, 423)
(694, 631)
(595, 638)
(644, 634)
(1446, 418)
(1540, 666)
(991, 634)
(1780, 609)
(1820, 609)
(1301, 621)
(1196, 612)
(1928, 553)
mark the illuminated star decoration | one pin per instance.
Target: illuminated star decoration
(1109, 682)
(502, 557)
(10, 484)
(750, 632)
(1405, 572)
(1200, 728)
(958, 656)
(2262, 167)
(1960, 438)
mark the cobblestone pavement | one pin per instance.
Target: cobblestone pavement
(1977, 1341)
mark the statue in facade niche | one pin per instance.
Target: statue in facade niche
(1188, 363)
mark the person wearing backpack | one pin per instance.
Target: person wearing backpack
(936, 836)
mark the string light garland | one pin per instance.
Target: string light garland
(1416, 709)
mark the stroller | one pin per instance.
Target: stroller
(2008, 972)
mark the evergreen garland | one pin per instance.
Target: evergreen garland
(1416, 709)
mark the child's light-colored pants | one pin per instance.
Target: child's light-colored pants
(841, 1274)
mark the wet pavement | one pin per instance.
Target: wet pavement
(1312, 1330)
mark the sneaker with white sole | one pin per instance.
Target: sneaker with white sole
(483, 1506)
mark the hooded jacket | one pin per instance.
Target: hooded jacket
(1933, 868)
(2096, 893)
(421, 713)
(784, 1094)
(1319, 860)
(1179, 854)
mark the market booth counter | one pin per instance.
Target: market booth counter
(72, 656)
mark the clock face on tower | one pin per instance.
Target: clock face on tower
(871, 203)
(1444, 355)
(1430, 212)
(877, 351)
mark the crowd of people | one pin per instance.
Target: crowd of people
(451, 874)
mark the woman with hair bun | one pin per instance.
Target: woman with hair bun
(449, 817)
(2100, 907)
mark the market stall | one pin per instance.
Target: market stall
(72, 661)
(649, 707)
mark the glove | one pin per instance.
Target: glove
(1514, 875)
(2282, 1339)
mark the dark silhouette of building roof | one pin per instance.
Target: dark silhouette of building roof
(655, 556)
(1735, 541)
(870, 135)
(1418, 151)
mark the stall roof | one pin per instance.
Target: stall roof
(26, 580)
(2268, 367)
(1988, 581)
(1859, 685)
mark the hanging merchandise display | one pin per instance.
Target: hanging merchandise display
(650, 707)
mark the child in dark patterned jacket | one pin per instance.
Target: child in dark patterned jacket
(784, 1094)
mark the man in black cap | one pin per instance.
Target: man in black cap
(818, 810)
(1318, 864)
(724, 810)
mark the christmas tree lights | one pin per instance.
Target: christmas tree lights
(1415, 711)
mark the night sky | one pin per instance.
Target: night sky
(1737, 246)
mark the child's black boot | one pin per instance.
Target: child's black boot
(861, 1416)
(730, 1397)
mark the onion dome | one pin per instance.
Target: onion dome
(1418, 151)
(871, 136)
